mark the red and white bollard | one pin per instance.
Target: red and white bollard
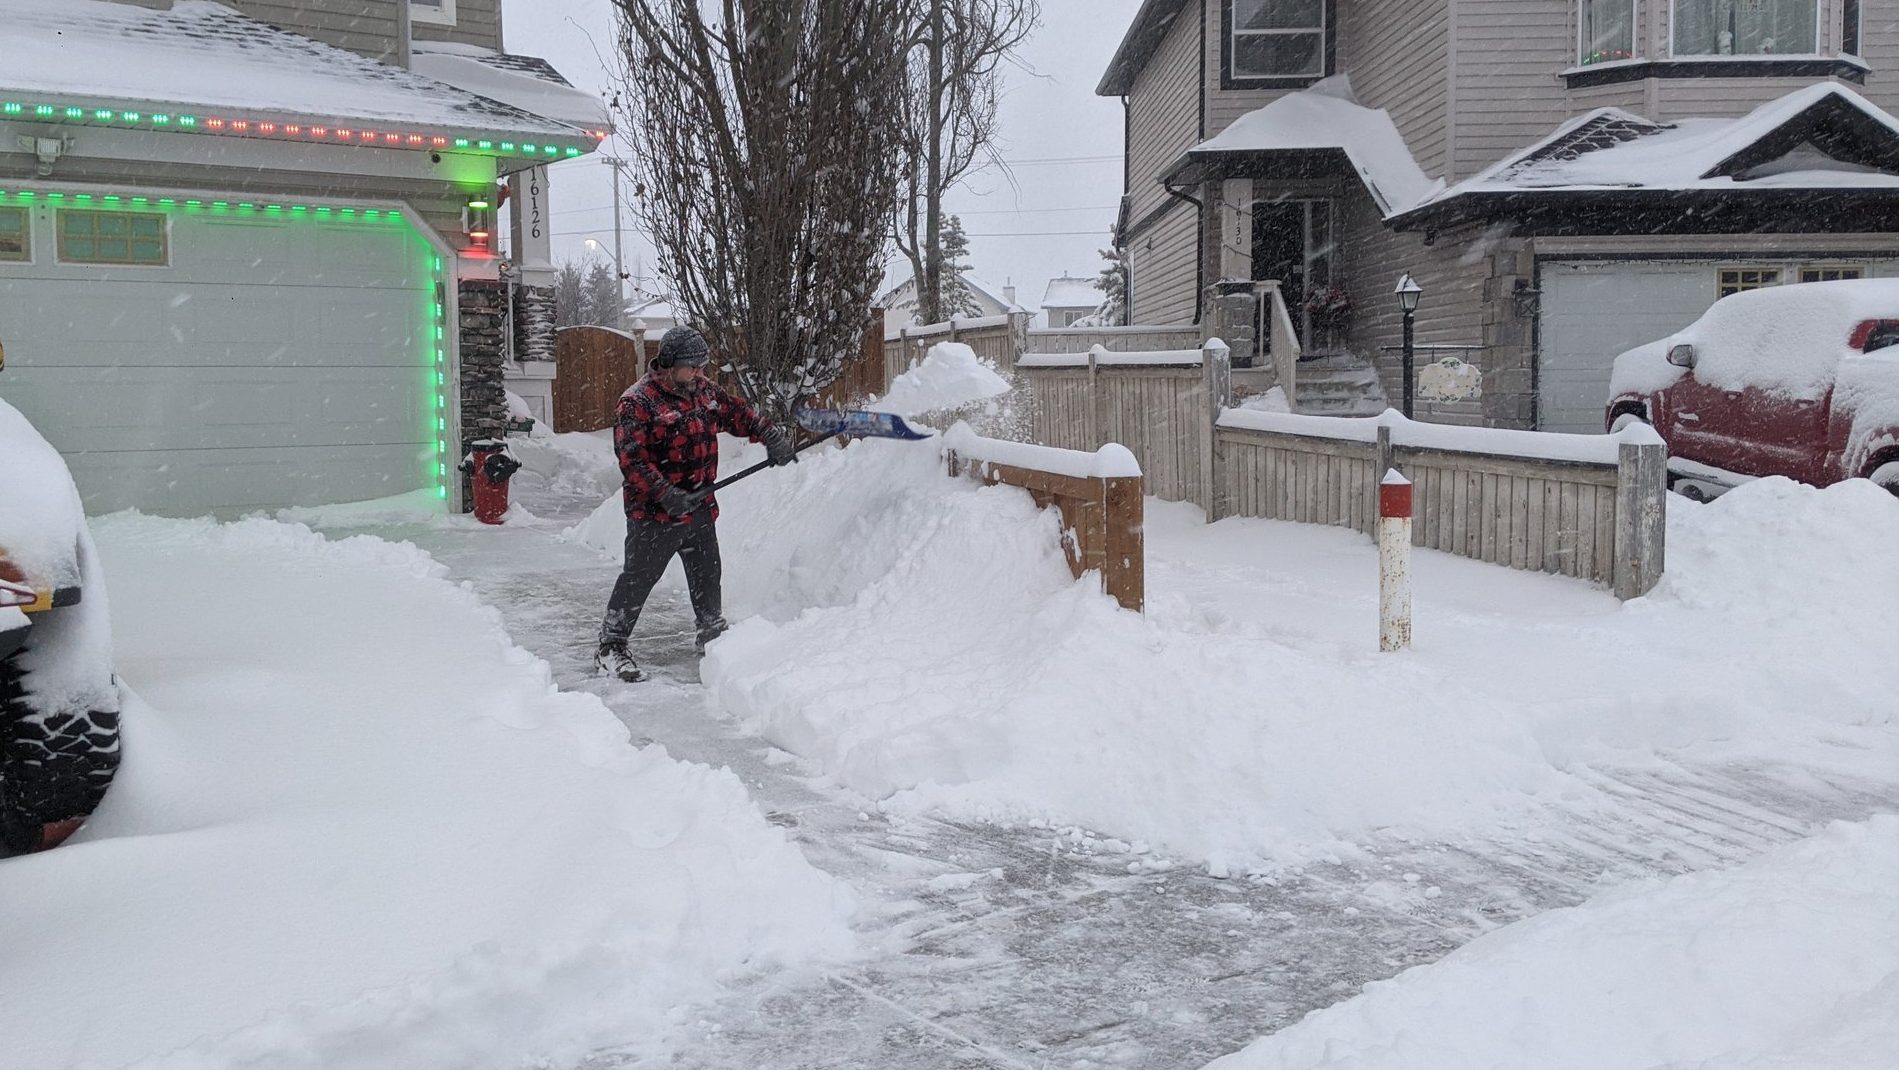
(1394, 561)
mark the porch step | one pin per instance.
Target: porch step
(1339, 384)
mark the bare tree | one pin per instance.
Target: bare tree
(952, 85)
(764, 137)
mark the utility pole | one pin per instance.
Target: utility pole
(619, 269)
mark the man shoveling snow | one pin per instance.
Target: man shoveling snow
(666, 436)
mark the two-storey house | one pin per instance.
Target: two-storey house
(1564, 178)
(248, 250)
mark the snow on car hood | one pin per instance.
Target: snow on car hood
(40, 514)
(1643, 370)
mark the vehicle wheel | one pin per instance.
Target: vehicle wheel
(1624, 419)
(54, 767)
(1887, 476)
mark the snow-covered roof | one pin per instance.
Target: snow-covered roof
(1772, 147)
(1326, 117)
(527, 82)
(905, 293)
(202, 56)
(1071, 292)
(652, 310)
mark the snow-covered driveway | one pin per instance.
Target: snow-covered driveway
(537, 889)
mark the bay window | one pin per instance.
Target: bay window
(1746, 27)
(1605, 31)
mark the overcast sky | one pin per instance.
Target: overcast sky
(1050, 216)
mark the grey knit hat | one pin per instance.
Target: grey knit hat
(682, 347)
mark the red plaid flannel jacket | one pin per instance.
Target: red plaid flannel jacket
(663, 439)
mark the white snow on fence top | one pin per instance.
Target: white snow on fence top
(201, 55)
(1107, 358)
(1070, 292)
(1326, 116)
(1112, 461)
(1612, 149)
(528, 83)
(1491, 441)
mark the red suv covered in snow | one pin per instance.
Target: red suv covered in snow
(1799, 380)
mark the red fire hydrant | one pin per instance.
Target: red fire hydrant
(489, 465)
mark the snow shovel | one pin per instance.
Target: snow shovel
(827, 424)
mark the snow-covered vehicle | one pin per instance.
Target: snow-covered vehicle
(1799, 381)
(59, 703)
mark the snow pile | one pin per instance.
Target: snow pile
(1273, 400)
(950, 377)
(580, 462)
(357, 827)
(1791, 961)
(920, 639)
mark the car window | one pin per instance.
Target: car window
(1883, 335)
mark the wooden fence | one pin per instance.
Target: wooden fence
(1587, 506)
(593, 366)
(1000, 339)
(1128, 339)
(1158, 404)
(1099, 495)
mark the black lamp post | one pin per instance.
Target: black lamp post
(1408, 292)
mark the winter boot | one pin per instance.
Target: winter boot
(708, 631)
(612, 659)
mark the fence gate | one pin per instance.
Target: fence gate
(593, 366)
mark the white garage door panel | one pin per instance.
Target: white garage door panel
(1592, 310)
(223, 408)
(272, 362)
(193, 483)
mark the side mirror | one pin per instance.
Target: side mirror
(1682, 356)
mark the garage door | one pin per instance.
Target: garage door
(1591, 310)
(194, 359)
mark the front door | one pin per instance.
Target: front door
(1292, 243)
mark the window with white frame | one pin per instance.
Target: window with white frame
(1730, 281)
(1276, 38)
(1831, 272)
(441, 12)
(1746, 27)
(16, 235)
(1605, 31)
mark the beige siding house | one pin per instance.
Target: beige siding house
(1565, 178)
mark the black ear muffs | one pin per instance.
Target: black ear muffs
(663, 360)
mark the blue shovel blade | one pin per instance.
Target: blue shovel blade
(853, 423)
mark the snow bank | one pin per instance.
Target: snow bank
(920, 639)
(356, 827)
(950, 376)
(1789, 961)
(580, 462)
(40, 514)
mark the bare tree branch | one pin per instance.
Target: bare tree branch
(765, 138)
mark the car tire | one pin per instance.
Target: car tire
(1624, 419)
(53, 766)
(1887, 476)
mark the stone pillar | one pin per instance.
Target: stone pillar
(483, 337)
(1508, 327)
(1232, 315)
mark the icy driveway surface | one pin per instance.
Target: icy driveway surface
(1034, 947)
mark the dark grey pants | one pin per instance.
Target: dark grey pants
(650, 546)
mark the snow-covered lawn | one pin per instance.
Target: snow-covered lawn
(358, 827)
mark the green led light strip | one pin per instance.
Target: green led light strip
(348, 133)
(268, 209)
(438, 345)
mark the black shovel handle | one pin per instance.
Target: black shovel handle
(705, 492)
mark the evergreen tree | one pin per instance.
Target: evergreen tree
(957, 298)
(600, 296)
(568, 299)
(1113, 283)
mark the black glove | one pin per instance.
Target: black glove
(677, 502)
(778, 446)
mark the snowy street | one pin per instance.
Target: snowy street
(932, 908)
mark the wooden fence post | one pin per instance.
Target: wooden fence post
(1097, 427)
(1124, 560)
(1018, 343)
(1216, 363)
(1640, 512)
